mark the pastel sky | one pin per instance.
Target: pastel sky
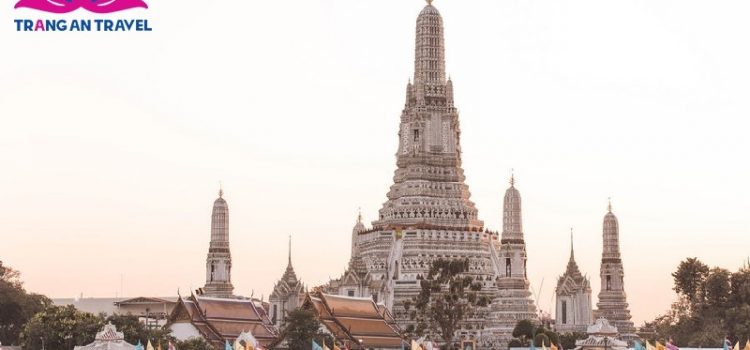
(113, 145)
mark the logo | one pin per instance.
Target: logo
(82, 24)
(96, 6)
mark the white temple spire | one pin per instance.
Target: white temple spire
(219, 258)
(512, 219)
(613, 303)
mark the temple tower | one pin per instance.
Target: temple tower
(359, 227)
(573, 312)
(613, 304)
(219, 259)
(513, 302)
(288, 293)
(429, 181)
(428, 214)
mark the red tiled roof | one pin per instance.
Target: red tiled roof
(354, 319)
(221, 319)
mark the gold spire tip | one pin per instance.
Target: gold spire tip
(512, 177)
(609, 204)
(221, 189)
(429, 2)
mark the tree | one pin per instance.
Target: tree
(524, 330)
(568, 340)
(16, 305)
(712, 303)
(447, 297)
(545, 337)
(541, 339)
(60, 327)
(689, 278)
(717, 288)
(194, 344)
(738, 312)
(301, 328)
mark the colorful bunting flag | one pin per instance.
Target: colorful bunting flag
(315, 346)
(649, 346)
(227, 346)
(149, 346)
(139, 346)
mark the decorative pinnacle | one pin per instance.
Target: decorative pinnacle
(609, 206)
(571, 243)
(512, 178)
(290, 250)
(429, 2)
(359, 216)
(221, 190)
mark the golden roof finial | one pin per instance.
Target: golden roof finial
(609, 206)
(359, 217)
(221, 190)
(429, 2)
(512, 178)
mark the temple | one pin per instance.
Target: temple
(428, 214)
(601, 336)
(219, 259)
(218, 320)
(214, 313)
(613, 304)
(355, 321)
(573, 311)
(288, 293)
(357, 280)
(513, 302)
